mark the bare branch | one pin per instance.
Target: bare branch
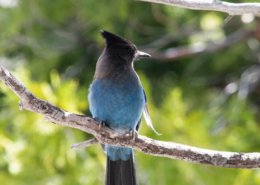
(142, 143)
(85, 143)
(228, 18)
(215, 5)
(172, 54)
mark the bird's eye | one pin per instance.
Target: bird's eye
(131, 51)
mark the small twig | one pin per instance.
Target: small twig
(85, 144)
(142, 143)
(228, 18)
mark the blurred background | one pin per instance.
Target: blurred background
(202, 84)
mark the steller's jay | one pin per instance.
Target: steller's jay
(117, 98)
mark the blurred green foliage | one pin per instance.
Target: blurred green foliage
(52, 47)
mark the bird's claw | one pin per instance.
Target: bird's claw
(101, 124)
(133, 134)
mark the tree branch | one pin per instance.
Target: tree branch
(142, 143)
(215, 5)
(172, 54)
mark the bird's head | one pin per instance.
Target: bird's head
(121, 48)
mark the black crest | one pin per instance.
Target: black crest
(112, 38)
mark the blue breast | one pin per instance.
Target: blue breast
(119, 105)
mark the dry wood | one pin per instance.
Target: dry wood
(215, 5)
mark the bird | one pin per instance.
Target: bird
(117, 100)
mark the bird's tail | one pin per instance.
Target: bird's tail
(121, 172)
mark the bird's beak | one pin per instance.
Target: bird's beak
(140, 54)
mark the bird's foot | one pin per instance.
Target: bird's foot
(101, 124)
(133, 134)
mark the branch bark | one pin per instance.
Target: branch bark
(215, 5)
(142, 143)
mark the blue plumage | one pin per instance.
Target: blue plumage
(119, 104)
(116, 97)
